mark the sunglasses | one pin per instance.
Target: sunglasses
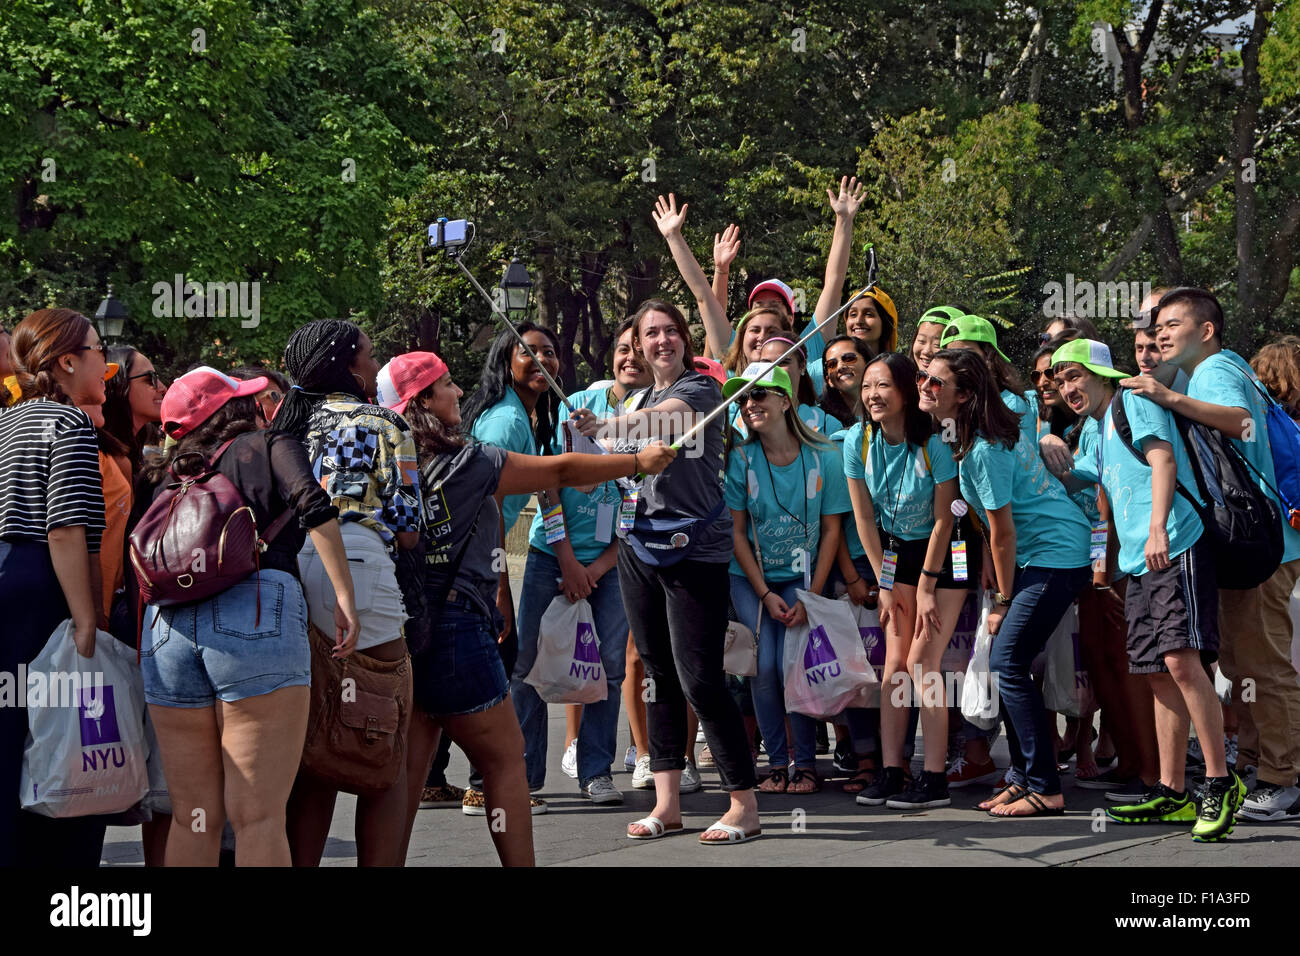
(926, 380)
(1044, 338)
(758, 393)
(1037, 376)
(97, 347)
(848, 358)
(154, 378)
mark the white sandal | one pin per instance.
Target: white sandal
(734, 834)
(656, 827)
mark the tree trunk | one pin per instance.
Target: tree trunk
(1252, 305)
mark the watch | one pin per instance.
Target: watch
(1001, 599)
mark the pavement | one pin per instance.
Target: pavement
(824, 829)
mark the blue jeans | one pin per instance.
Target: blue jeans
(1040, 598)
(769, 686)
(598, 732)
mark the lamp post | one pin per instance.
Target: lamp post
(518, 289)
(110, 317)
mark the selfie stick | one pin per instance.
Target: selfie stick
(871, 284)
(454, 253)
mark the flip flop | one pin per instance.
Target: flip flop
(734, 834)
(656, 827)
(1041, 809)
(1016, 790)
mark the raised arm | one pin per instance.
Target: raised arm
(725, 249)
(845, 205)
(669, 219)
(524, 474)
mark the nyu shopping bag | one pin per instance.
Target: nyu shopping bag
(568, 668)
(825, 665)
(85, 752)
(873, 643)
(979, 694)
(1066, 687)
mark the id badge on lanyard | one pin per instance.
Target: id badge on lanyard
(627, 510)
(959, 572)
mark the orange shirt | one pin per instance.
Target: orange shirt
(113, 473)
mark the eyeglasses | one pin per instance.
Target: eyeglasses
(926, 380)
(757, 393)
(97, 347)
(1044, 338)
(152, 375)
(848, 358)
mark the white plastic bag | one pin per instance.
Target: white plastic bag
(1222, 686)
(1066, 687)
(825, 664)
(873, 643)
(979, 698)
(568, 669)
(957, 654)
(740, 653)
(85, 752)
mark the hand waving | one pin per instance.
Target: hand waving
(849, 200)
(726, 247)
(667, 216)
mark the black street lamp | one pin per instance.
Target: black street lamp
(110, 317)
(518, 288)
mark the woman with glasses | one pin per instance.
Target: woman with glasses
(978, 334)
(844, 361)
(795, 368)
(269, 398)
(785, 488)
(903, 481)
(51, 522)
(1038, 543)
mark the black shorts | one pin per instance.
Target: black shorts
(911, 559)
(1172, 610)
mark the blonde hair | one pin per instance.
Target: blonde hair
(735, 360)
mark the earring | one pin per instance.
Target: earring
(68, 367)
(361, 383)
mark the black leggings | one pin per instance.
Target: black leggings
(678, 617)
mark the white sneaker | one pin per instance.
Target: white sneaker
(699, 735)
(569, 762)
(602, 790)
(642, 778)
(1269, 802)
(629, 759)
(690, 779)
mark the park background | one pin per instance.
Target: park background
(306, 145)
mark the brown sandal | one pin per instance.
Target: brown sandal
(778, 778)
(799, 776)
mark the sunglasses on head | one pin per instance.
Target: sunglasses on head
(926, 380)
(848, 358)
(152, 376)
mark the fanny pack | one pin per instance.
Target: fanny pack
(662, 542)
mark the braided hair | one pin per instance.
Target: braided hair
(319, 359)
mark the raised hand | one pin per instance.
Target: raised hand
(668, 217)
(726, 247)
(849, 200)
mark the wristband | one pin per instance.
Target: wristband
(932, 574)
(764, 597)
(636, 468)
(849, 584)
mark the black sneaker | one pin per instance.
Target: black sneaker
(931, 790)
(888, 783)
(845, 760)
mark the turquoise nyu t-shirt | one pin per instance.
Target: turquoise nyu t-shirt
(1051, 531)
(785, 504)
(506, 425)
(581, 512)
(899, 480)
(1128, 481)
(1225, 379)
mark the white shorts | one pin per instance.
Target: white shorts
(374, 584)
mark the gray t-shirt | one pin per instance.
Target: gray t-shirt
(454, 496)
(692, 485)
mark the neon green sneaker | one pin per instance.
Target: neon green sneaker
(1160, 805)
(1219, 806)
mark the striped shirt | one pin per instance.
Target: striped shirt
(49, 472)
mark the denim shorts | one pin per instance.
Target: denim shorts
(460, 672)
(218, 649)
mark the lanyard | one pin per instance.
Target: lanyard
(771, 480)
(898, 491)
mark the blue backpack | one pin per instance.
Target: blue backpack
(1284, 443)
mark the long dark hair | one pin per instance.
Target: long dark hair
(432, 437)
(1004, 373)
(832, 402)
(319, 359)
(119, 421)
(917, 425)
(237, 416)
(497, 381)
(984, 414)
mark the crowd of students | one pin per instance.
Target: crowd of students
(911, 481)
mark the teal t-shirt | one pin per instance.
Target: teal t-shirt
(785, 504)
(1087, 499)
(1225, 379)
(1027, 409)
(506, 425)
(900, 481)
(1051, 531)
(1128, 482)
(582, 512)
(851, 539)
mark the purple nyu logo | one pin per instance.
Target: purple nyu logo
(98, 716)
(586, 654)
(819, 660)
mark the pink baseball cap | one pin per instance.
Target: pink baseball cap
(712, 369)
(198, 394)
(777, 286)
(406, 376)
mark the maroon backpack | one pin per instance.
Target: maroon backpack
(198, 538)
